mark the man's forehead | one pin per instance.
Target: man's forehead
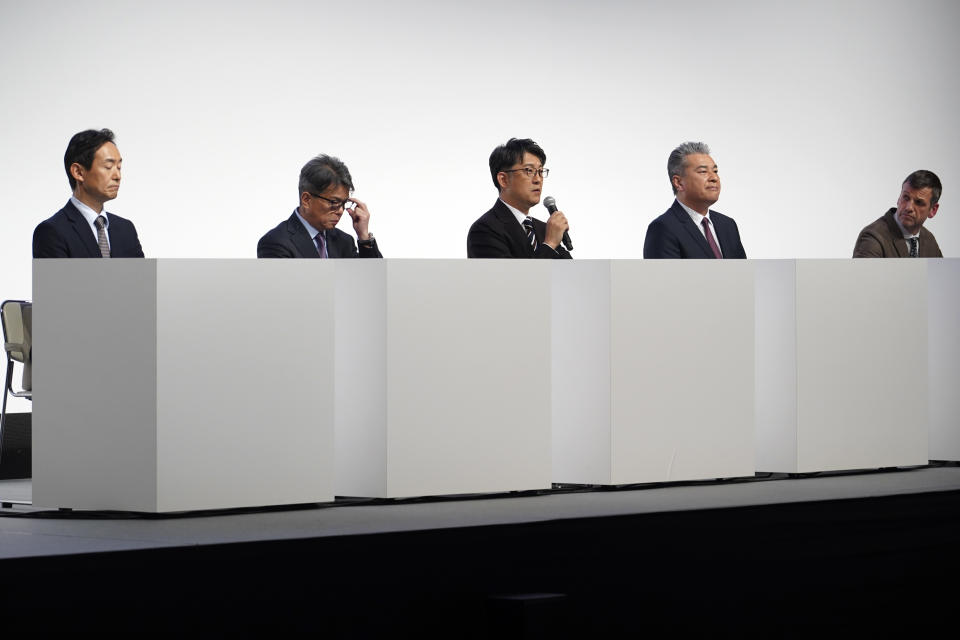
(530, 160)
(336, 190)
(700, 160)
(108, 151)
(923, 194)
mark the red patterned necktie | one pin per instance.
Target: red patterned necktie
(713, 243)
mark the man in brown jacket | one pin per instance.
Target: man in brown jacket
(899, 233)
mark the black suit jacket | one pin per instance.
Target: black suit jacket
(290, 239)
(498, 235)
(66, 234)
(674, 235)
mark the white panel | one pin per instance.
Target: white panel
(581, 371)
(468, 374)
(245, 382)
(361, 370)
(776, 373)
(943, 277)
(682, 362)
(94, 380)
(862, 363)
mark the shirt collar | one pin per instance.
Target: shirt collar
(696, 216)
(906, 234)
(519, 215)
(89, 214)
(309, 227)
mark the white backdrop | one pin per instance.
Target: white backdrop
(815, 111)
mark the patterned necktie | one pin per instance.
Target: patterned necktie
(321, 244)
(710, 240)
(531, 235)
(101, 223)
(914, 247)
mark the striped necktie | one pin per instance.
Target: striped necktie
(531, 235)
(101, 223)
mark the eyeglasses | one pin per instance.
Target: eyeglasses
(529, 171)
(335, 205)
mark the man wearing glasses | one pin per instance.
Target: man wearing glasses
(507, 230)
(310, 231)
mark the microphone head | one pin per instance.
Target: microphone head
(550, 204)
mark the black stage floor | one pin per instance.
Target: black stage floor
(852, 553)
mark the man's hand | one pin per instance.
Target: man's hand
(556, 225)
(361, 219)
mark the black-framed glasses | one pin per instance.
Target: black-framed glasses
(335, 205)
(529, 171)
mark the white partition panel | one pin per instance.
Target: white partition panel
(943, 278)
(458, 401)
(168, 385)
(841, 359)
(653, 371)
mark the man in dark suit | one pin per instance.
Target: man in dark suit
(690, 229)
(899, 233)
(82, 229)
(507, 230)
(310, 231)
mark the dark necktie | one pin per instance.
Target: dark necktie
(101, 223)
(531, 235)
(710, 240)
(914, 247)
(321, 244)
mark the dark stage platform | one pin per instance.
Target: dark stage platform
(853, 553)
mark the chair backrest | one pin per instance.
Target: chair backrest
(17, 320)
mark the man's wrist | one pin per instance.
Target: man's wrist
(366, 243)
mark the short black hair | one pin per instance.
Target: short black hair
(322, 172)
(83, 146)
(924, 179)
(509, 154)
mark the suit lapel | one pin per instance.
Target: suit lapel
(724, 235)
(333, 247)
(301, 239)
(515, 230)
(692, 229)
(899, 244)
(82, 229)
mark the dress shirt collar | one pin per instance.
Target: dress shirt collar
(89, 214)
(309, 227)
(906, 234)
(519, 215)
(696, 216)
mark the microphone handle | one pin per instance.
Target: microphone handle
(566, 236)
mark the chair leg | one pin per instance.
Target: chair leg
(3, 412)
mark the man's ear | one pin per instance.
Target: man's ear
(933, 210)
(76, 171)
(675, 181)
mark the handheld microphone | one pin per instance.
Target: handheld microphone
(551, 204)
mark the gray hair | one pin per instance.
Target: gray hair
(322, 172)
(678, 159)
